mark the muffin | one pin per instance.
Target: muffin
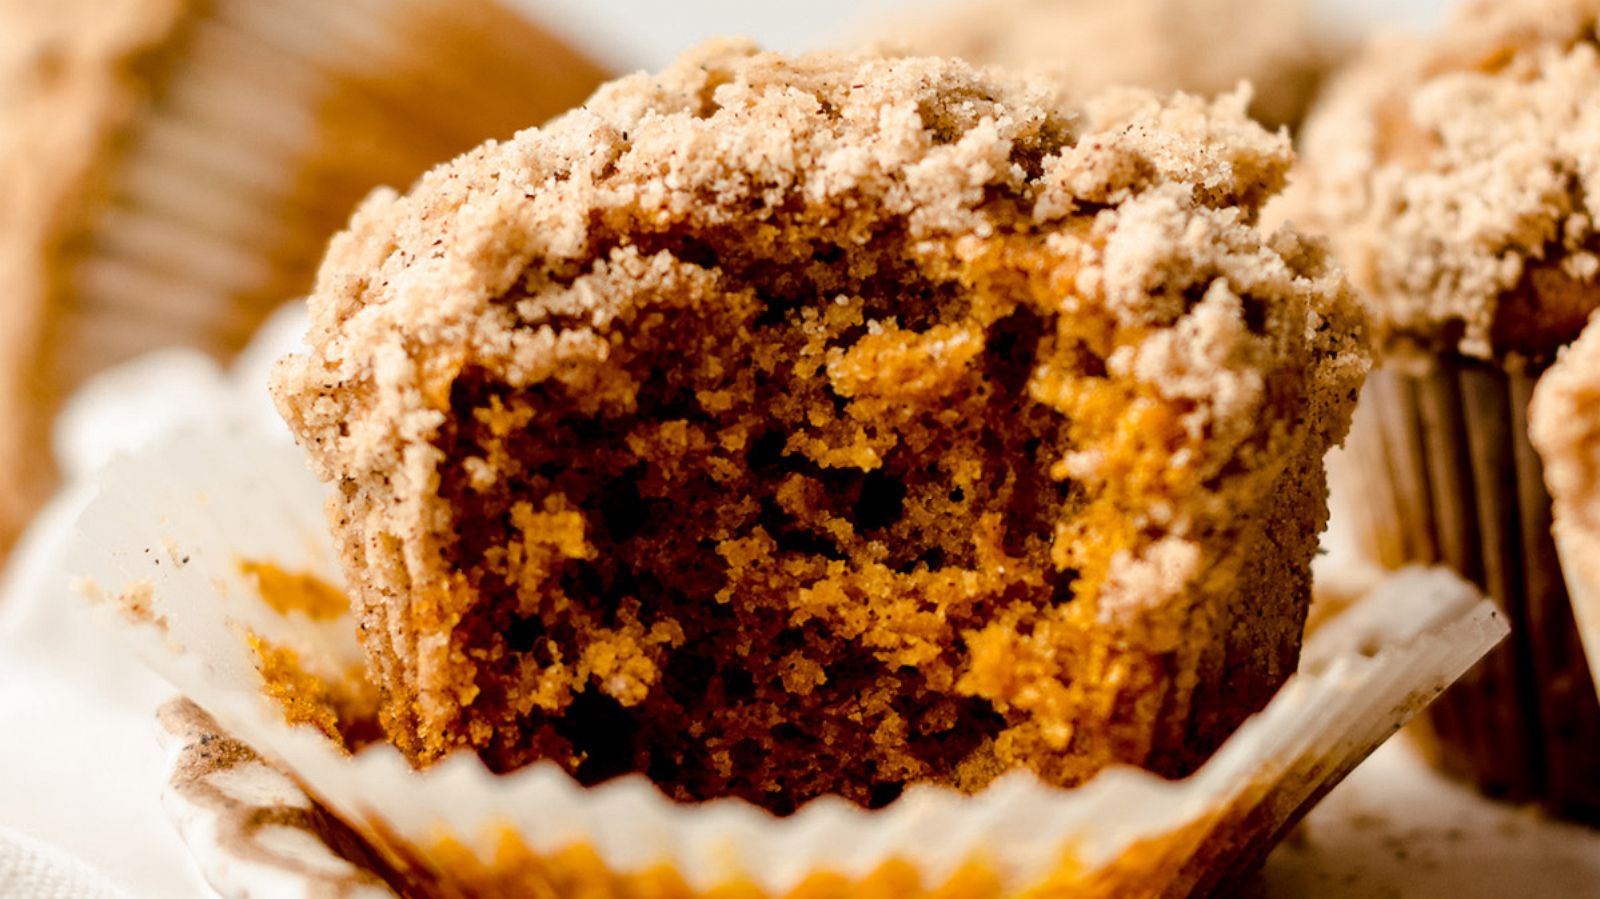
(1454, 177)
(1200, 46)
(176, 168)
(778, 427)
(1565, 423)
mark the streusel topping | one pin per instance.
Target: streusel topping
(1460, 179)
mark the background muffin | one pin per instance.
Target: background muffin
(787, 426)
(176, 167)
(1457, 179)
(1201, 46)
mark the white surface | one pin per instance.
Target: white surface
(79, 765)
(1395, 828)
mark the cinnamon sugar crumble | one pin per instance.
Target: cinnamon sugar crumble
(1458, 178)
(786, 426)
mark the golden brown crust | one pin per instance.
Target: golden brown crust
(1204, 47)
(883, 411)
(1457, 176)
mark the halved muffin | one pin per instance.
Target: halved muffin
(780, 427)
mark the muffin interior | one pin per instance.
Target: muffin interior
(777, 500)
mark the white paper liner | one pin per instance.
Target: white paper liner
(177, 517)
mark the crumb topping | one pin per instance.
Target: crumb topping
(1460, 179)
(786, 426)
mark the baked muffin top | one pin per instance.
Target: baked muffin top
(1459, 179)
(1200, 46)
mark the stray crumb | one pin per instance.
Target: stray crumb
(298, 591)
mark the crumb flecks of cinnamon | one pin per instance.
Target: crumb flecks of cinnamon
(1460, 179)
(137, 603)
(726, 428)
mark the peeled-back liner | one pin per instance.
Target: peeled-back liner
(171, 523)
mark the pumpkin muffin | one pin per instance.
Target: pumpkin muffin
(779, 427)
(1200, 46)
(173, 168)
(1456, 178)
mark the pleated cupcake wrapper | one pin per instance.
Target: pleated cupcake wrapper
(171, 523)
(268, 121)
(1438, 469)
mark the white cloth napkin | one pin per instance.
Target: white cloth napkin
(81, 774)
(29, 868)
(80, 771)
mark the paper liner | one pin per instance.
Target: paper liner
(170, 523)
(1438, 469)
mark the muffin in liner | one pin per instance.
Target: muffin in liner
(170, 525)
(1449, 175)
(174, 168)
